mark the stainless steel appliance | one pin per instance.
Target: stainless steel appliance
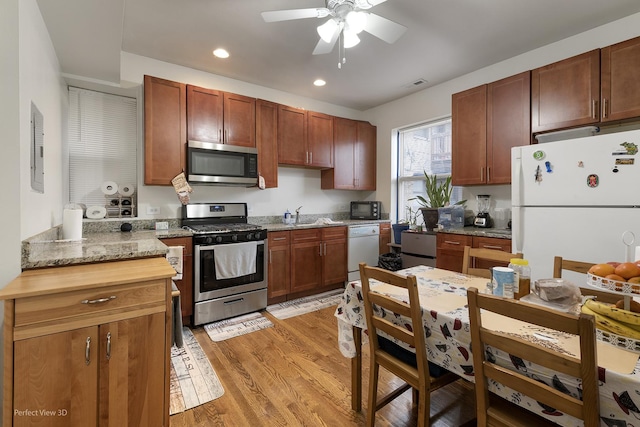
(483, 219)
(418, 248)
(366, 210)
(221, 164)
(364, 244)
(230, 262)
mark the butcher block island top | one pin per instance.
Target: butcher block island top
(90, 342)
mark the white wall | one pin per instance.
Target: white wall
(42, 84)
(296, 186)
(435, 102)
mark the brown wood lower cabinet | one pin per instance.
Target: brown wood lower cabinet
(450, 249)
(88, 345)
(306, 261)
(185, 285)
(385, 238)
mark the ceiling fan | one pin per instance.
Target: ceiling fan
(347, 19)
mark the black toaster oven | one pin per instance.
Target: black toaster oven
(366, 210)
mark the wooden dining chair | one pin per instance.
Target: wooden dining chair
(413, 368)
(492, 410)
(560, 264)
(471, 254)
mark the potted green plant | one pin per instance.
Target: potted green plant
(438, 196)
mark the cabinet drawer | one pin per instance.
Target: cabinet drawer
(492, 243)
(68, 305)
(453, 242)
(306, 235)
(334, 233)
(279, 238)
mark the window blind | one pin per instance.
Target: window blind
(102, 144)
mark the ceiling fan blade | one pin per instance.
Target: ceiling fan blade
(383, 28)
(368, 4)
(287, 15)
(326, 47)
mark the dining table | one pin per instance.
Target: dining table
(445, 315)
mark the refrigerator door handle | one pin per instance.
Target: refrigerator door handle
(516, 177)
(517, 229)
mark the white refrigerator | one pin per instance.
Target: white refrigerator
(578, 199)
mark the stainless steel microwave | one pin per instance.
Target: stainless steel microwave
(366, 210)
(221, 164)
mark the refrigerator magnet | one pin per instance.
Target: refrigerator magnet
(593, 180)
(538, 155)
(547, 164)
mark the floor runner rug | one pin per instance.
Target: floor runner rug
(193, 380)
(304, 305)
(236, 326)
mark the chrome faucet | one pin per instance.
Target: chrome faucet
(298, 215)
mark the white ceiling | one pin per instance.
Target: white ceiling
(445, 39)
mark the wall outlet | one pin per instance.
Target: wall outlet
(162, 225)
(153, 210)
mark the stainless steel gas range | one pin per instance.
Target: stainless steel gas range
(230, 262)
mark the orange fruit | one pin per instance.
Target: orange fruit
(635, 279)
(627, 270)
(615, 277)
(602, 270)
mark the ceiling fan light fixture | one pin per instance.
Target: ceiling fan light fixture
(351, 39)
(356, 21)
(326, 30)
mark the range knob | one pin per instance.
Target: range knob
(234, 238)
(208, 240)
(249, 236)
(218, 239)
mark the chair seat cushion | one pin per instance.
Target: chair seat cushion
(408, 357)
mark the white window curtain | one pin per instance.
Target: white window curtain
(102, 144)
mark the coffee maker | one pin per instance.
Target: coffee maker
(483, 219)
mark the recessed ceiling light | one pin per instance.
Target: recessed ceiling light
(220, 53)
(319, 82)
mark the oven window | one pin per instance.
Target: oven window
(362, 209)
(208, 281)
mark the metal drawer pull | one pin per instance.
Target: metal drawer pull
(87, 351)
(108, 345)
(279, 238)
(451, 242)
(97, 301)
(492, 247)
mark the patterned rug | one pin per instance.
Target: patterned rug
(236, 326)
(193, 380)
(304, 305)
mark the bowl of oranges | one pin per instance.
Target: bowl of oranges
(621, 277)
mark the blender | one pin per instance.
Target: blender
(483, 219)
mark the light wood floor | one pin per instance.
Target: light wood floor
(294, 375)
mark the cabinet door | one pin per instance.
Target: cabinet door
(385, 238)
(320, 139)
(279, 264)
(508, 124)
(133, 359)
(491, 243)
(469, 136)
(566, 93)
(620, 84)
(267, 141)
(165, 130)
(204, 114)
(306, 266)
(334, 262)
(450, 250)
(239, 120)
(365, 157)
(57, 373)
(185, 285)
(343, 174)
(292, 136)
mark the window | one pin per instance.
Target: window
(102, 147)
(423, 148)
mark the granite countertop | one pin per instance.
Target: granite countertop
(336, 223)
(482, 232)
(97, 247)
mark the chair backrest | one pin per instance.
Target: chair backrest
(377, 321)
(560, 264)
(487, 254)
(584, 366)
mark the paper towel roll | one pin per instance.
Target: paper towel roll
(126, 190)
(96, 212)
(72, 224)
(109, 188)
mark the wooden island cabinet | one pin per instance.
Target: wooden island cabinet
(450, 249)
(184, 285)
(88, 345)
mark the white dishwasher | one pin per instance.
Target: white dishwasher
(364, 241)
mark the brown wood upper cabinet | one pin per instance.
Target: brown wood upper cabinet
(165, 130)
(620, 82)
(487, 121)
(267, 141)
(220, 117)
(355, 156)
(305, 138)
(566, 93)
